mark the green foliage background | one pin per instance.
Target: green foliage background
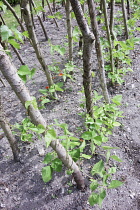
(13, 2)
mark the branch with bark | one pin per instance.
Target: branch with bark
(27, 18)
(94, 25)
(10, 73)
(8, 133)
(88, 39)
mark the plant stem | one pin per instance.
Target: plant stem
(108, 35)
(92, 13)
(125, 18)
(8, 133)
(69, 29)
(35, 43)
(88, 39)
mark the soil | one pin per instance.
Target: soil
(21, 184)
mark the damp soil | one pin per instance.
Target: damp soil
(21, 184)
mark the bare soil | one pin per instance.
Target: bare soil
(21, 184)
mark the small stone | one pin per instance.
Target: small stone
(132, 195)
(6, 190)
(2, 205)
(128, 129)
(41, 150)
(133, 86)
(63, 190)
(138, 160)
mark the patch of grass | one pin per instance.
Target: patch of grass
(10, 19)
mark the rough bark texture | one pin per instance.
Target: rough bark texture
(8, 133)
(10, 73)
(87, 77)
(128, 9)
(112, 5)
(82, 23)
(14, 13)
(69, 29)
(125, 18)
(18, 55)
(43, 12)
(108, 35)
(41, 23)
(31, 13)
(51, 13)
(88, 39)
(94, 25)
(35, 43)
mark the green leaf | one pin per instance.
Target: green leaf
(32, 72)
(74, 144)
(108, 147)
(62, 51)
(98, 168)
(112, 170)
(24, 70)
(39, 9)
(60, 84)
(27, 104)
(48, 141)
(34, 129)
(92, 147)
(93, 199)
(5, 32)
(105, 178)
(57, 165)
(43, 91)
(69, 172)
(14, 43)
(41, 128)
(107, 155)
(74, 138)
(136, 39)
(96, 96)
(86, 156)
(117, 99)
(17, 34)
(45, 100)
(3, 7)
(94, 185)
(34, 103)
(115, 184)
(63, 137)
(24, 78)
(47, 173)
(57, 88)
(50, 16)
(115, 157)
(26, 34)
(51, 134)
(87, 135)
(97, 140)
(138, 28)
(82, 146)
(99, 122)
(48, 158)
(102, 196)
(75, 154)
(116, 124)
